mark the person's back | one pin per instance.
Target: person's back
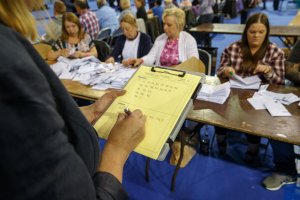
(158, 10)
(107, 16)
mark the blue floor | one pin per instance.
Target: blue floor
(210, 177)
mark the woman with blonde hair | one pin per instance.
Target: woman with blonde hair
(139, 43)
(74, 42)
(172, 47)
(48, 148)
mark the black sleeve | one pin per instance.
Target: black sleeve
(38, 161)
(295, 54)
(118, 48)
(108, 187)
(145, 45)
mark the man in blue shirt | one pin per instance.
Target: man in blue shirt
(158, 10)
(107, 16)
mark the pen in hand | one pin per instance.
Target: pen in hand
(127, 111)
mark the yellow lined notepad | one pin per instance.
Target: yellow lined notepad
(162, 95)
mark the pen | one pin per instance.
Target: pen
(127, 111)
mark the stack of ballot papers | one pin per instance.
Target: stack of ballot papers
(273, 102)
(251, 82)
(90, 71)
(217, 94)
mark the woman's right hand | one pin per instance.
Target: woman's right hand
(128, 131)
(137, 62)
(64, 52)
(229, 72)
(110, 60)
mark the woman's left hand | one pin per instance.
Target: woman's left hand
(78, 54)
(96, 110)
(260, 68)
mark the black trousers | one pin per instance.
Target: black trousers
(284, 157)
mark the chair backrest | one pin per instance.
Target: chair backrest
(104, 34)
(153, 27)
(141, 25)
(117, 33)
(103, 49)
(190, 18)
(43, 49)
(205, 57)
(192, 64)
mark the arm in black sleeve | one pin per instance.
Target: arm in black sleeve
(145, 45)
(118, 48)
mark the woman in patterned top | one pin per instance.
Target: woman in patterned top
(74, 42)
(172, 47)
(253, 54)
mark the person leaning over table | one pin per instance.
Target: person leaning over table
(139, 43)
(74, 42)
(48, 148)
(172, 47)
(253, 54)
(283, 153)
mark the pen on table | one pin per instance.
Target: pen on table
(127, 111)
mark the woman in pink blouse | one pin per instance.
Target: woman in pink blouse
(172, 47)
(253, 54)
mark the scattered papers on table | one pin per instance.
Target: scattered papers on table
(251, 82)
(276, 109)
(89, 71)
(217, 94)
(273, 102)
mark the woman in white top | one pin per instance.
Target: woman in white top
(133, 44)
(172, 47)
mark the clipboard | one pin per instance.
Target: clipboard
(165, 96)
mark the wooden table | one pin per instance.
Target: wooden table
(78, 90)
(278, 31)
(237, 114)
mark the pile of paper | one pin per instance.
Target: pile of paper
(89, 71)
(251, 82)
(273, 102)
(217, 94)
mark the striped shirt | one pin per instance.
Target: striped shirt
(274, 57)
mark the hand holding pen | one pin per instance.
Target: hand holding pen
(127, 111)
(229, 72)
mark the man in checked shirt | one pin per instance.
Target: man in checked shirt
(87, 18)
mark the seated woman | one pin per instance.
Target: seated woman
(74, 42)
(133, 44)
(172, 47)
(253, 54)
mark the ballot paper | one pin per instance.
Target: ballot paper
(90, 71)
(251, 82)
(285, 99)
(276, 109)
(217, 94)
